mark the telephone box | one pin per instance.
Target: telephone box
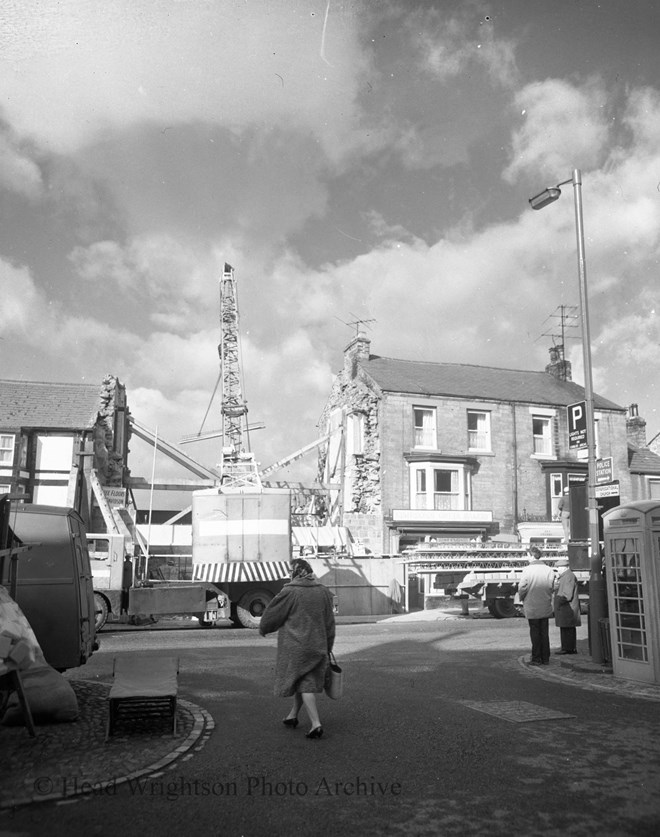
(632, 555)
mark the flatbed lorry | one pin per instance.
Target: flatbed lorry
(489, 572)
(241, 552)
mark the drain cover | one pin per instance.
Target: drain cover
(515, 711)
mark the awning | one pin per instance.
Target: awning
(230, 571)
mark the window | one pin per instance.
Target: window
(5, 489)
(445, 489)
(424, 430)
(355, 433)
(438, 488)
(7, 449)
(556, 491)
(542, 433)
(478, 425)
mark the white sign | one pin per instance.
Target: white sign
(609, 490)
(115, 496)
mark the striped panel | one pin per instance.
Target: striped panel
(224, 573)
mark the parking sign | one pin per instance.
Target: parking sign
(577, 425)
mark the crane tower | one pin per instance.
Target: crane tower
(238, 468)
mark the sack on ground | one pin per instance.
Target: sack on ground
(334, 679)
(49, 695)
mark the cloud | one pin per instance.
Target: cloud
(22, 302)
(167, 275)
(454, 44)
(564, 127)
(77, 71)
(18, 172)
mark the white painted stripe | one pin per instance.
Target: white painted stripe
(258, 526)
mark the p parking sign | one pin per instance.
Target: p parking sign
(577, 425)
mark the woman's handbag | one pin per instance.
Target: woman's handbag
(334, 679)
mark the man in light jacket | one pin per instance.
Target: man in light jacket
(535, 589)
(567, 607)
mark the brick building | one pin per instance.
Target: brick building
(454, 451)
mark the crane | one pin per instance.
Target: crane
(238, 469)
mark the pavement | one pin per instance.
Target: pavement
(72, 759)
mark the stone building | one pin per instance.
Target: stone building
(422, 450)
(643, 460)
(52, 435)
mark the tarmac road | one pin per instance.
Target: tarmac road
(442, 731)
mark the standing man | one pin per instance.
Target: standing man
(564, 509)
(567, 607)
(535, 589)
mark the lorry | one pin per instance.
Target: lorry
(241, 552)
(489, 572)
(52, 581)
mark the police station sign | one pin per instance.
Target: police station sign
(577, 425)
(604, 470)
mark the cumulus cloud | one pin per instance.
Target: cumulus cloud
(18, 171)
(564, 127)
(457, 44)
(22, 302)
(77, 70)
(159, 267)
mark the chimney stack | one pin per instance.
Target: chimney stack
(559, 366)
(358, 349)
(636, 427)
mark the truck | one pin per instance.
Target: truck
(489, 572)
(52, 581)
(241, 552)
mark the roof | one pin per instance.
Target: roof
(487, 383)
(49, 405)
(643, 461)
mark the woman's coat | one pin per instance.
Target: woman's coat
(567, 602)
(302, 613)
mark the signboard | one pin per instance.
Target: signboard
(611, 489)
(114, 496)
(577, 425)
(604, 470)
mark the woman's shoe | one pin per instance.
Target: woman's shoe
(317, 732)
(290, 722)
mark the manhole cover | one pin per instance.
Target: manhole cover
(515, 711)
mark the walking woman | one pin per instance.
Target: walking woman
(303, 614)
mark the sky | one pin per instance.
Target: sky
(365, 160)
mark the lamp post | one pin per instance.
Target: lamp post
(597, 593)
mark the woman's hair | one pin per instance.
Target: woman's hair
(300, 568)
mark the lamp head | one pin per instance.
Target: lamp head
(545, 197)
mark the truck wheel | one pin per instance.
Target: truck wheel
(502, 608)
(100, 611)
(251, 606)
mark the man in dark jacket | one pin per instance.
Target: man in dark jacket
(567, 607)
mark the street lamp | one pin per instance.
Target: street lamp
(597, 595)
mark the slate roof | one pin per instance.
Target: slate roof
(48, 405)
(643, 461)
(487, 383)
